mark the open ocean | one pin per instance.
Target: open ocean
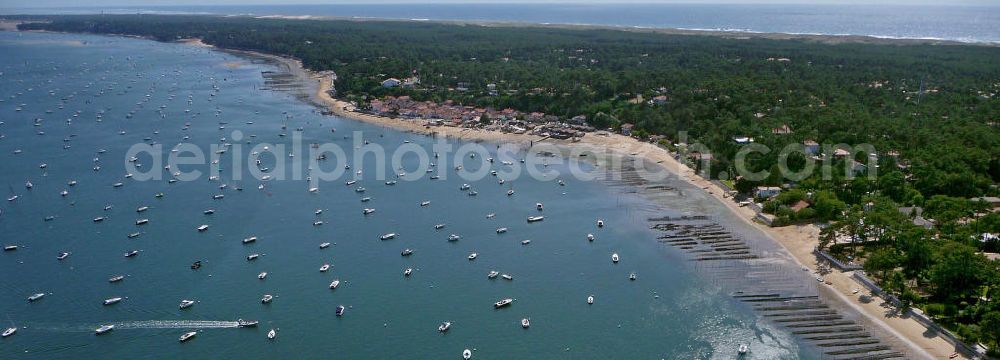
(65, 97)
(958, 23)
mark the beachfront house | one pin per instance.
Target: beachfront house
(782, 130)
(766, 192)
(811, 147)
(992, 200)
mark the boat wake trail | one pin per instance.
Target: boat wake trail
(177, 324)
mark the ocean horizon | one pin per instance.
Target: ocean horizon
(969, 24)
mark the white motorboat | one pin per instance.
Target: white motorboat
(36, 297)
(266, 299)
(324, 245)
(112, 301)
(501, 230)
(335, 284)
(187, 336)
(142, 208)
(367, 211)
(142, 221)
(208, 211)
(350, 182)
(465, 187)
(510, 192)
(272, 334)
(532, 219)
(453, 237)
(366, 199)
(407, 272)
(539, 206)
(186, 304)
(590, 300)
(132, 253)
(359, 190)
(525, 242)
(743, 349)
(116, 278)
(493, 274)
(262, 275)
(318, 223)
(324, 268)
(10, 248)
(62, 256)
(202, 227)
(246, 323)
(340, 310)
(590, 237)
(104, 329)
(425, 203)
(406, 252)
(631, 276)
(438, 226)
(249, 239)
(525, 323)
(614, 258)
(600, 223)
(318, 211)
(218, 196)
(387, 236)
(444, 326)
(466, 354)
(507, 277)
(98, 219)
(502, 303)
(473, 256)
(252, 257)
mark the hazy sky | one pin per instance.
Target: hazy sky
(140, 3)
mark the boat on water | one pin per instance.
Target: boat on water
(104, 329)
(473, 256)
(532, 219)
(425, 203)
(631, 276)
(539, 206)
(407, 272)
(266, 299)
(590, 237)
(600, 223)
(525, 242)
(406, 252)
(453, 237)
(116, 278)
(444, 326)
(493, 274)
(324, 245)
(186, 304)
(502, 303)
(208, 211)
(249, 239)
(10, 248)
(438, 226)
(98, 219)
(614, 258)
(132, 253)
(196, 265)
(246, 323)
(473, 193)
(272, 334)
(36, 297)
(187, 336)
(507, 277)
(317, 222)
(334, 284)
(743, 349)
(367, 211)
(466, 354)
(112, 301)
(340, 310)
(141, 209)
(142, 222)
(262, 275)
(252, 257)
(465, 187)
(366, 199)
(501, 230)
(324, 268)
(590, 300)
(134, 235)
(525, 323)
(203, 227)
(9, 331)
(510, 192)
(62, 256)
(387, 236)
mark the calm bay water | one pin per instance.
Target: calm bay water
(672, 311)
(948, 22)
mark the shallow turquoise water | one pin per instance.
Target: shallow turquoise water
(672, 311)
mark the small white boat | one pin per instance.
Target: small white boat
(324, 268)
(350, 182)
(187, 336)
(507, 277)
(367, 211)
(246, 323)
(473, 256)
(525, 242)
(600, 223)
(142, 221)
(438, 226)
(202, 227)
(501, 230)
(252, 257)
(366, 199)
(631, 276)
(208, 211)
(10, 248)
(407, 272)
(387, 236)
(466, 354)
(249, 239)
(266, 299)
(525, 323)
(743, 349)
(453, 237)
(614, 258)
(334, 284)
(502, 303)
(318, 223)
(493, 274)
(62, 256)
(262, 275)
(510, 192)
(104, 329)
(186, 304)
(465, 187)
(132, 253)
(590, 300)
(539, 206)
(142, 208)
(444, 326)
(590, 237)
(406, 252)
(272, 334)
(112, 301)
(532, 219)
(340, 310)
(134, 235)
(116, 278)
(318, 211)
(324, 245)
(425, 203)
(36, 297)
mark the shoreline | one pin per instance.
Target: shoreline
(796, 240)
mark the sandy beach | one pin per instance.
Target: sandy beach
(798, 240)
